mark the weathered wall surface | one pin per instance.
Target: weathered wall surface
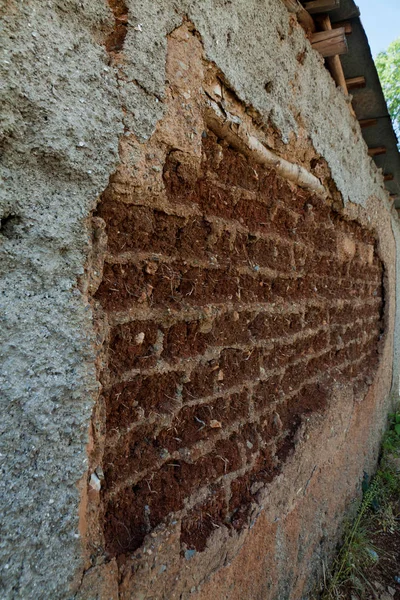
(60, 123)
(178, 327)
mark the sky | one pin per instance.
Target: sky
(381, 21)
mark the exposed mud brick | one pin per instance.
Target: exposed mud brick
(197, 286)
(249, 440)
(366, 272)
(285, 353)
(132, 345)
(183, 340)
(315, 317)
(254, 289)
(294, 376)
(128, 226)
(134, 452)
(269, 253)
(140, 228)
(265, 467)
(308, 346)
(311, 398)
(342, 335)
(241, 500)
(203, 519)
(180, 174)
(346, 315)
(154, 394)
(274, 326)
(267, 393)
(237, 366)
(325, 266)
(259, 278)
(122, 286)
(231, 328)
(321, 364)
(321, 209)
(203, 381)
(236, 170)
(285, 221)
(296, 289)
(204, 422)
(215, 199)
(231, 247)
(257, 216)
(192, 240)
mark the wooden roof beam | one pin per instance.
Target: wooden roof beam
(388, 177)
(355, 83)
(346, 24)
(333, 62)
(321, 6)
(330, 43)
(377, 151)
(368, 123)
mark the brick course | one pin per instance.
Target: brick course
(244, 311)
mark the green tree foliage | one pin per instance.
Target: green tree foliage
(388, 67)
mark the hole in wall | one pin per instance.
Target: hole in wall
(8, 225)
(269, 87)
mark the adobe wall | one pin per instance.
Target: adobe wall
(209, 343)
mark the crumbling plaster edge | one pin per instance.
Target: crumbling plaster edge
(382, 198)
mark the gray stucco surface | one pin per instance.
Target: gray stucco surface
(60, 125)
(61, 120)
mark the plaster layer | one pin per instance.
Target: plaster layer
(255, 44)
(60, 124)
(61, 120)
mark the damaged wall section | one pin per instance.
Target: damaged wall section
(234, 304)
(81, 78)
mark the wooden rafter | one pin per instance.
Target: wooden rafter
(346, 24)
(330, 43)
(333, 62)
(377, 151)
(356, 83)
(368, 123)
(321, 6)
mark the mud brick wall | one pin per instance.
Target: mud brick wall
(232, 309)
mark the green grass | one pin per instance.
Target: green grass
(376, 513)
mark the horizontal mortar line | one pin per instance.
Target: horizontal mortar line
(196, 264)
(203, 491)
(134, 258)
(214, 353)
(194, 210)
(191, 363)
(210, 311)
(160, 421)
(289, 243)
(158, 203)
(201, 449)
(245, 386)
(235, 191)
(209, 447)
(270, 343)
(233, 224)
(146, 314)
(272, 407)
(206, 447)
(166, 419)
